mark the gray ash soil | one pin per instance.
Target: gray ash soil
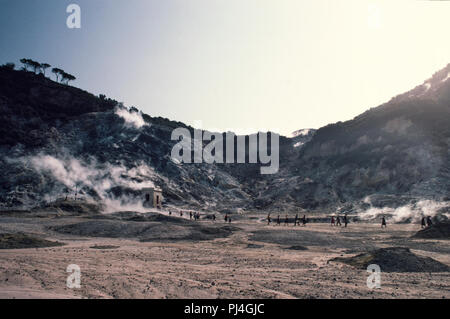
(104, 247)
(348, 239)
(74, 208)
(297, 247)
(148, 217)
(22, 241)
(440, 230)
(160, 256)
(145, 231)
(311, 238)
(255, 246)
(419, 244)
(394, 259)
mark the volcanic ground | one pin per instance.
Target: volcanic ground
(154, 255)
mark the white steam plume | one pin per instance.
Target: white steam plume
(413, 212)
(74, 173)
(132, 119)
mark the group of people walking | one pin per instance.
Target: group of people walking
(337, 221)
(192, 215)
(297, 220)
(195, 216)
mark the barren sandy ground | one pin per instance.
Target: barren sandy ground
(253, 262)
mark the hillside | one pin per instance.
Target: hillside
(398, 152)
(57, 140)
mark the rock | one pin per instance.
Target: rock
(440, 230)
(394, 259)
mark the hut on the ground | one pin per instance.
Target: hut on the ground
(153, 197)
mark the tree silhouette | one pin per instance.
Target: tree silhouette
(57, 73)
(60, 75)
(35, 65)
(67, 77)
(45, 66)
(70, 77)
(63, 76)
(26, 63)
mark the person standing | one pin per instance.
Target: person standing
(338, 221)
(296, 220)
(429, 222)
(332, 220)
(286, 220)
(383, 222)
(226, 218)
(304, 220)
(268, 219)
(345, 220)
(423, 222)
(190, 215)
(278, 220)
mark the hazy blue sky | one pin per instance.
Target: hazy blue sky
(236, 64)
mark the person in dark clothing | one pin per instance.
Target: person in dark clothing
(429, 222)
(170, 213)
(229, 220)
(423, 222)
(332, 221)
(345, 220)
(190, 215)
(296, 220)
(268, 219)
(286, 220)
(278, 220)
(214, 217)
(304, 220)
(338, 221)
(226, 218)
(181, 214)
(383, 222)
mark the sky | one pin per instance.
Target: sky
(239, 65)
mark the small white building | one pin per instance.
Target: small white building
(153, 197)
